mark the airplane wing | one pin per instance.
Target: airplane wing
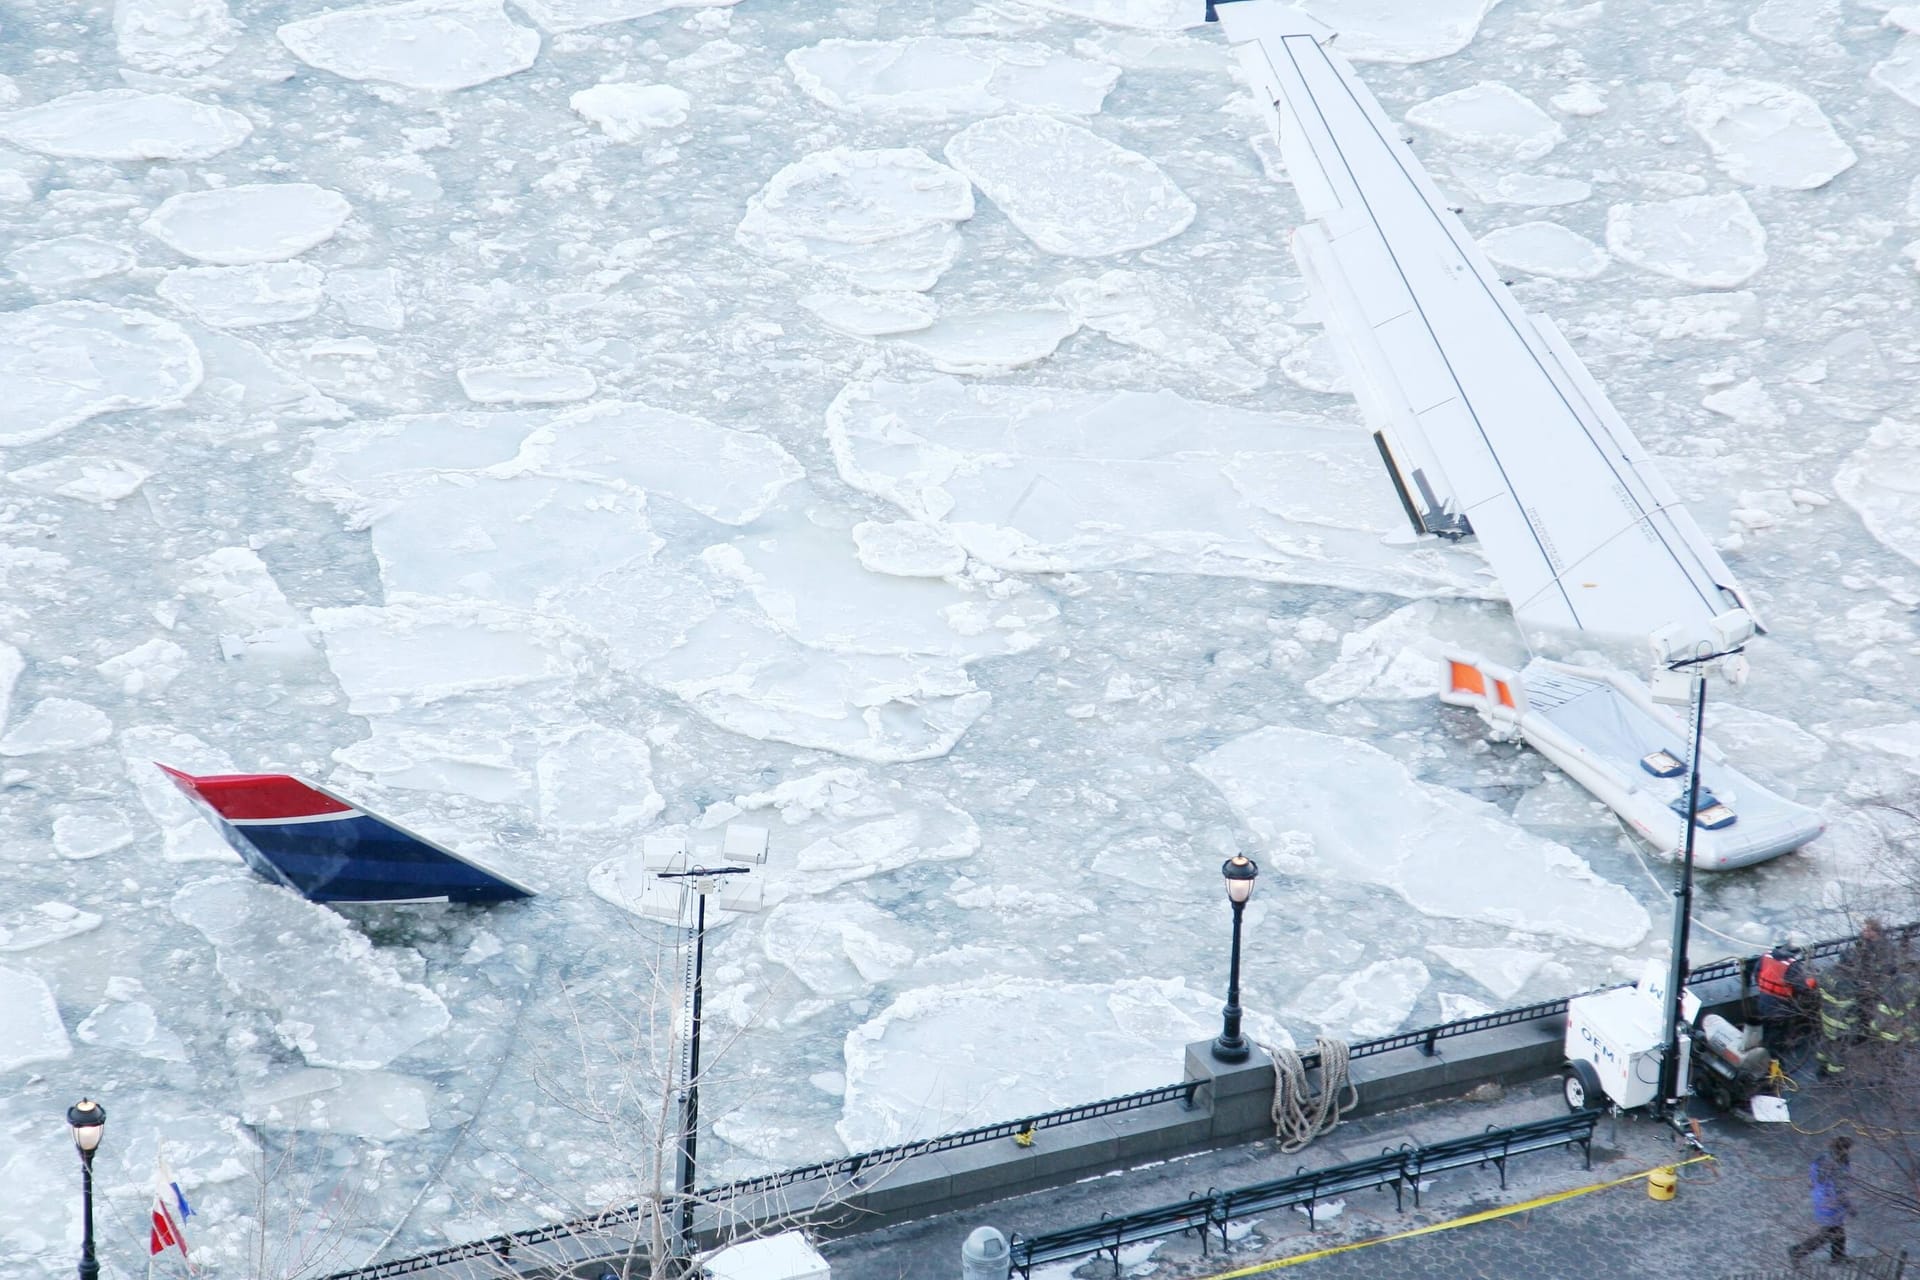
(1489, 424)
(313, 842)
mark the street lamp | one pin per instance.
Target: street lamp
(1240, 872)
(88, 1120)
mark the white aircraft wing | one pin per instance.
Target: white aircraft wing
(1488, 422)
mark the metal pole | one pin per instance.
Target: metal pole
(1677, 967)
(692, 1118)
(1232, 1046)
(89, 1265)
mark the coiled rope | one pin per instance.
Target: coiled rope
(1298, 1115)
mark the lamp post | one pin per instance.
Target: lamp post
(702, 881)
(88, 1120)
(1231, 1046)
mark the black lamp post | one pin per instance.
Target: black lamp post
(701, 879)
(88, 1120)
(1231, 1046)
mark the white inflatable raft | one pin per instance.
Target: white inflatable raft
(1609, 735)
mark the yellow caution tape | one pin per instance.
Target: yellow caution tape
(1485, 1215)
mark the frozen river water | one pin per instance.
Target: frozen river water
(897, 425)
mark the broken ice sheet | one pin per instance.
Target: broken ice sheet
(378, 1105)
(1490, 116)
(175, 36)
(1447, 854)
(1545, 249)
(942, 1058)
(1764, 134)
(990, 342)
(83, 477)
(250, 222)
(1038, 479)
(25, 928)
(746, 677)
(1881, 481)
(66, 362)
(239, 297)
(54, 725)
(885, 218)
(826, 829)
(933, 77)
(1366, 1004)
(1709, 242)
(422, 44)
(30, 1025)
(337, 999)
(187, 835)
(68, 260)
(417, 651)
(1069, 190)
(125, 124)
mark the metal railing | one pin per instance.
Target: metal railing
(1400, 1168)
(847, 1170)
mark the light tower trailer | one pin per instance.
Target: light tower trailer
(1613, 1049)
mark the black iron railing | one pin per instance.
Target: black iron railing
(844, 1173)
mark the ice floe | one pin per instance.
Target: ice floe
(66, 362)
(1764, 134)
(526, 382)
(1881, 481)
(253, 222)
(885, 219)
(1795, 23)
(68, 260)
(54, 725)
(1158, 315)
(747, 676)
(1365, 1004)
(422, 44)
(87, 831)
(1900, 73)
(30, 1025)
(145, 670)
(335, 999)
(597, 779)
(945, 1057)
(1143, 15)
(872, 315)
(573, 15)
(934, 77)
(86, 478)
(377, 1105)
(908, 548)
(1490, 116)
(1038, 479)
(368, 296)
(186, 835)
(20, 173)
(29, 927)
(1446, 853)
(418, 652)
(629, 112)
(1389, 31)
(1545, 249)
(1710, 317)
(725, 474)
(131, 1026)
(1069, 190)
(238, 297)
(837, 949)
(125, 124)
(1710, 242)
(1385, 660)
(835, 826)
(173, 36)
(1505, 971)
(988, 342)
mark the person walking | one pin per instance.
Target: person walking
(1831, 1176)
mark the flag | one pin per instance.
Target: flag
(169, 1208)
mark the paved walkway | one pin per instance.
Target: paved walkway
(1732, 1220)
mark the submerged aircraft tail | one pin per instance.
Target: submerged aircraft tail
(313, 842)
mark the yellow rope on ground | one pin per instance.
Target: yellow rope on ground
(1485, 1215)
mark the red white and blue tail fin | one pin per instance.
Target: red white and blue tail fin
(327, 850)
